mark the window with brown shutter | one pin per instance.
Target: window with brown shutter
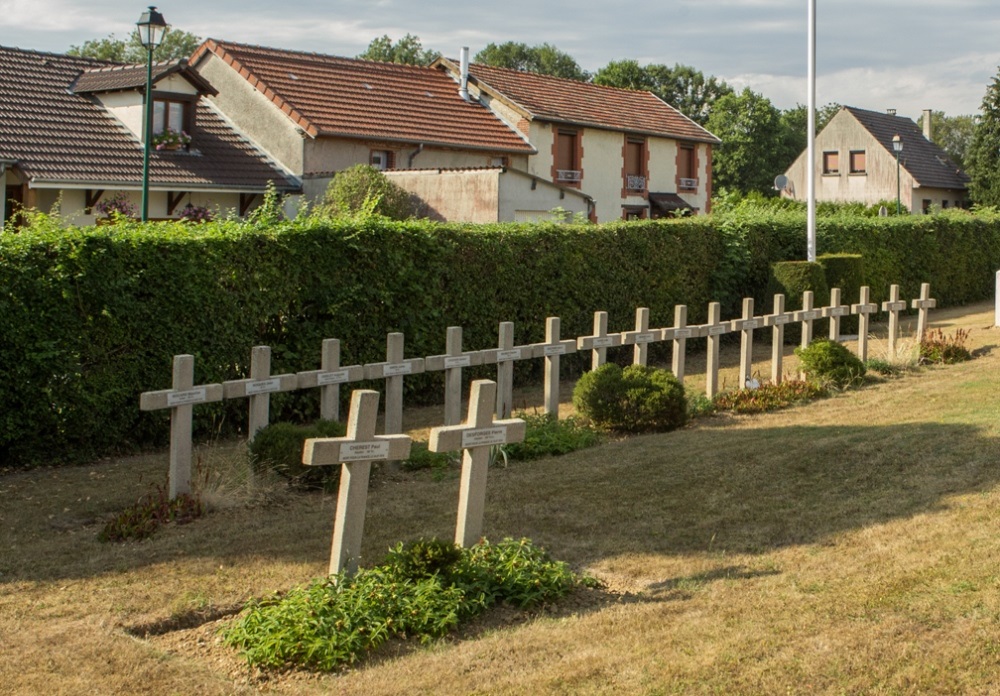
(858, 162)
(831, 163)
(567, 161)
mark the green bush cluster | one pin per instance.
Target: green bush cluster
(547, 436)
(769, 397)
(636, 399)
(830, 362)
(278, 447)
(422, 591)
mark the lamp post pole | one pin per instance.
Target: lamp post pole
(152, 28)
(897, 145)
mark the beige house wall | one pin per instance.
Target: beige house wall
(127, 107)
(70, 203)
(336, 154)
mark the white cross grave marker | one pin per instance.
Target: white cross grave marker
(713, 330)
(893, 306)
(807, 315)
(835, 311)
(863, 309)
(392, 371)
(355, 453)
(641, 337)
(777, 322)
(452, 363)
(680, 333)
(476, 436)
(180, 399)
(599, 343)
(923, 305)
(329, 378)
(551, 350)
(746, 326)
(504, 356)
(259, 387)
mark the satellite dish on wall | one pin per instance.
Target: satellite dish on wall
(780, 182)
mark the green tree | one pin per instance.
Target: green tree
(545, 59)
(983, 157)
(176, 44)
(751, 132)
(364, 190)
(686, 89)
(953, 134)
(794, 128)
(408, 50)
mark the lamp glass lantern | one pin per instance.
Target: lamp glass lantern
(897, 146)
(152, 28)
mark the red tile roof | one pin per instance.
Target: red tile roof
(58, 137)
(116, 78)
(559, 100)
(345, 97)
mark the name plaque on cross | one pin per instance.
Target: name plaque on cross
(512, 354)
(807, 315)
(553, 350)
(337, 377)
(364, 451)
(645, 338)
(397, 369)
(717, 330)
(683, 333)
(603, 342)
(191, 396)
(460, 361)
(328, 378)
(838, 311)
(484, 437)
(263, 386)
(779, 320)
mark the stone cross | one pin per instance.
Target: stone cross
(392, 371)
(599, 343)
(680, 333)
(746, 326)
(777, 322)
(329, 378)
(551, 350)
(835, 311)
(807, 315)
(504, 356)
(713, 330)
(452, 363)
(259, 387)
(641, 337)
(863, 309)
(355, 452)
(180, 399)
(476, 436)
(923, 305)
(893, 306)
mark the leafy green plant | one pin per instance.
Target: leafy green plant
(937, 347)
(142, 519)
(547, 436)
(364, 190)
(830, 362)
(769, 397)
(699, 405)
(636, 399)
(423, 590)
(278, 447)
(881, 366)
(422, 458)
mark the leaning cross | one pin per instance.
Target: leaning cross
(504, 356)
(713, 330)
(329, 378)
(452, 364)
(777, 322)
(180, 399)
(835, 311)
(476, 436)
(355, 452)
(641, 337)
(863, 309)
(894, 306)
(392, 371)
(259, 387)
(599, 343)
(551, 350)
(923, 305)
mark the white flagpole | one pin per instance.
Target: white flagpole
(811, 149)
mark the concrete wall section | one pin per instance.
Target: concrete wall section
(465, 196)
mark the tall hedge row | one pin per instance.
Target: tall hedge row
(90, 317)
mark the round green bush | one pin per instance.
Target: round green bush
(278, 448)
(830, 362)
(636, 399)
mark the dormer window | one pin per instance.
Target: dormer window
(172, 114)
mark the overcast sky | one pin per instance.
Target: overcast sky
(873, 54)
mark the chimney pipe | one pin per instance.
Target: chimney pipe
(463, 90)
(927, 124)
(891, 112)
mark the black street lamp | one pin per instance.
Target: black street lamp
(152, 28)
(897, 145)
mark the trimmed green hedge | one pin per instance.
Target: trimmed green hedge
(90, 317)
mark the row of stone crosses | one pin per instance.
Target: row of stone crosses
(361, 446)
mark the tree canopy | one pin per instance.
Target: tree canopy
(686, 89)
(176, 44)
(545, 59)
(751, 131)
(408, 50)
(953, 134)
(983, 156)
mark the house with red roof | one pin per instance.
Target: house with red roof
(71, 137)
(636, 155)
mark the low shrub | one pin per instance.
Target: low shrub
(830, 362)
(278, 447)
(149, 513)
(546, 436)
(699, 405)
(636, 399)
(422, 458)
(769, 397)
(937, 347)
(423, 591)
(881, 366)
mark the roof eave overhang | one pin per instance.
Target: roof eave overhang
(37, 183)
(615, 129)
(531, 150)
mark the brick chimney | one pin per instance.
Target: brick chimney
(927, 124)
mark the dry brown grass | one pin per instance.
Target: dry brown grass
(848, 546)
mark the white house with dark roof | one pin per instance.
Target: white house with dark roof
(856, 162)
(71, 135)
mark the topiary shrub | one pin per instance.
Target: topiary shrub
(278, 448)
(830, 362)
(636, 399)
(847, 272)
(792, 279)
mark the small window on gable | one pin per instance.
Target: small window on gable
(172, 114)
(858, 162)
(382, 159)
(831, 163)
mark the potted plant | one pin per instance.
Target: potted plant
(117, 205)
(196, 213)
(169, 139)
